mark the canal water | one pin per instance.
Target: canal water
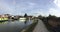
(14, 26)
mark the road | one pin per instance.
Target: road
(40, 27)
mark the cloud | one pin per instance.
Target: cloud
(14, 2)
(32, 7)
(55, 12)
(5, 8)
(57, 2)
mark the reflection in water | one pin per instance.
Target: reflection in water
(13, 26)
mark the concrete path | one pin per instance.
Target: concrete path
(40, 27)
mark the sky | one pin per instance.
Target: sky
(31, 7)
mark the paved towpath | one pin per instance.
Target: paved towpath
(40, 27)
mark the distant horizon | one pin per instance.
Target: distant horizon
(31, 15)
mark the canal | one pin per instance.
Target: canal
(14, 26)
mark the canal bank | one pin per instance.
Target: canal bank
(30, 28)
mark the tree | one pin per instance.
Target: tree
(40, 16)
(25, 15)
(26, 18)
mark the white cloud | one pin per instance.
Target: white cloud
(32, 4)
(37, 12)
(57, 2)
(14, 2)
(55, 12)
(5, 8)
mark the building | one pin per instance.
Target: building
(3, 17)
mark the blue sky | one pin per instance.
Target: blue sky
(31, 7)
